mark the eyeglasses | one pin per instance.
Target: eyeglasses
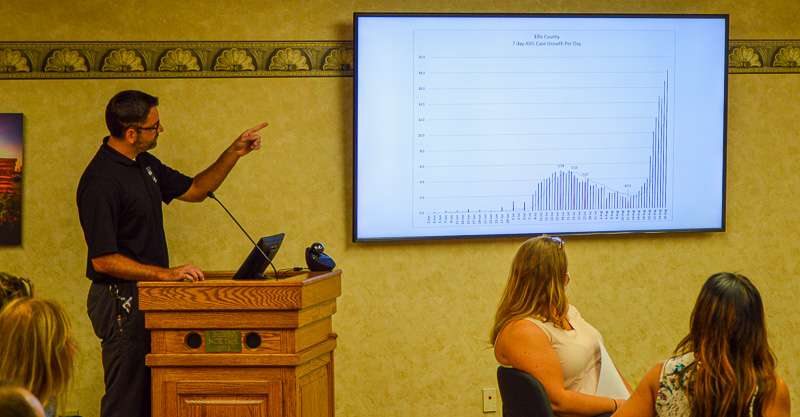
(557, 240)
(154, 127)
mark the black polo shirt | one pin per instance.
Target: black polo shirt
(119, 204)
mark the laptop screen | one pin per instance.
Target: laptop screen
(254, 265)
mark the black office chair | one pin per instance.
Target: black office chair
(522, 394)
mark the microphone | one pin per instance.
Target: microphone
(211, 195)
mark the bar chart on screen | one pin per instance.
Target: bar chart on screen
(534, 127)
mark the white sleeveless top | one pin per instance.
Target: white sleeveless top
(578, 351)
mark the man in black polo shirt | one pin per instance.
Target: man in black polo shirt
(119, 203)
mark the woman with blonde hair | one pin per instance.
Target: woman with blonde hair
(724, 367)
(37, 350)
(536, 330)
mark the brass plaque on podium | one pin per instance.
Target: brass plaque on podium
(223, 341)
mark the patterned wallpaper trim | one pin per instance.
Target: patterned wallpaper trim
(220, 59)
(41, 60)
(756, 56)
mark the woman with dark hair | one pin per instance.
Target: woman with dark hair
(724, 367)
(537, 330)
(12, 287)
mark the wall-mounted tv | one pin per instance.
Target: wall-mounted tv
(511, 125)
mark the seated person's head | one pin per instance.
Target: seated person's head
(728, 319)
(37, 350)
(536, 284)
(16, 401)
(728, 338)
(12, 287)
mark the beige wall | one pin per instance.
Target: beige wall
(413, 317)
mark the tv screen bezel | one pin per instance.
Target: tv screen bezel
(723, 209)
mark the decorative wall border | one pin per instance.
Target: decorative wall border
(45, 60)
(757, 56)
(246, 59)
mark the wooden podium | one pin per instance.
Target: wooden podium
(224, 348)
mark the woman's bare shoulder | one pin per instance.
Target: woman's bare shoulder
(515, 334)
(523, 328)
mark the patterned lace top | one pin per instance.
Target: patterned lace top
(672, 400)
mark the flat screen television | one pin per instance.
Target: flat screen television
(520, 124)
(254, 265)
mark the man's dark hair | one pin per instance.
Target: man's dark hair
(12, 287)
(128, 108)
(13, 402)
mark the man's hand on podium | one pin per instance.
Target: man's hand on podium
(186, 272)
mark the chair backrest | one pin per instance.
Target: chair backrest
(522, 394)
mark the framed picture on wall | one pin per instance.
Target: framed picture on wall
(10, 179)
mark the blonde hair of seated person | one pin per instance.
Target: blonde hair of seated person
(535, 286)
(37, 350)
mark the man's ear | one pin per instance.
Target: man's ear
(130, 135)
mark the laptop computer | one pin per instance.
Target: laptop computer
(254, 265)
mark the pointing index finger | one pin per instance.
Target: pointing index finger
(257, 127)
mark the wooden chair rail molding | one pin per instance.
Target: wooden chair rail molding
(266, 59)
